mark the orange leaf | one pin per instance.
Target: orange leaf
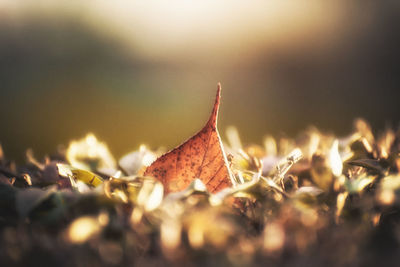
(202, 156)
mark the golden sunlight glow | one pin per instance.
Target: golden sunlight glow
(136, 215)
(83, 229)
(133, 162)
(274, 237)
(335, 160)
(385, 143)
(119, 194)
(150, 195)
(103, 218)
(90, 149)
(207, 228)
(376, 218)
(148, 156)
(389, 186)
(313, 144)
(227, 28)
(384, 153)
(367, 145)
(363, 182)
(196, 234)
(340, 202)
(270, 146)
(171, 234)
(387, 197)
(309, 217)
(232, 134)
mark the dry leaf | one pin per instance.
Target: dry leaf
(370, 164)
(202, 156)
(85, 176)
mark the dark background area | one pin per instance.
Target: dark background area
(138, 77)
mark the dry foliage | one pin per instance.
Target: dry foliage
(311, 201)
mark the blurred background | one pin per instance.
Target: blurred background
(137, 72)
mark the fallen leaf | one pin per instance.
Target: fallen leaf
(85, 176)
(370, 164)
(202, 156)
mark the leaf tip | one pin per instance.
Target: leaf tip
(214, 114)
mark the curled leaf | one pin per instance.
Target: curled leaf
(202, 156)
(370, 164)
(87, 177)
